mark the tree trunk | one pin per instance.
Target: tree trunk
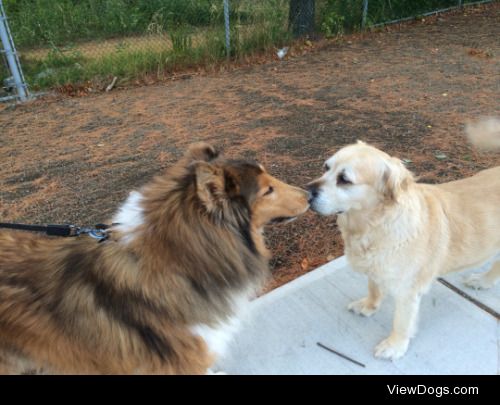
(301, 17)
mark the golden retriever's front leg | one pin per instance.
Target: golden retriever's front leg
(404, 327)
(370, 304)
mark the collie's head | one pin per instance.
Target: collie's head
(205, 215)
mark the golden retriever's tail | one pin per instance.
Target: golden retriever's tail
(484, 134)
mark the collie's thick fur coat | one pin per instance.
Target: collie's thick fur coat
(403, 234)
(161, 294)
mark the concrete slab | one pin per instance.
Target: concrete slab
(281, 334)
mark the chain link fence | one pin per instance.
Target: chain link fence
(78, 41)
(13, 79)
(69, 41)
(6, 84)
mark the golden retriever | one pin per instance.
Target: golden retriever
(403, 234)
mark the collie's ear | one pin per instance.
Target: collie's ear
(231, 184)
(209, 184)
(201, 151)
(395, 179)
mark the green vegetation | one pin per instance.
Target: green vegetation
(388, 10)
(55, 22)
(340, 16)
(72, 41)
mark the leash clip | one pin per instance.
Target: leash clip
(99, 234)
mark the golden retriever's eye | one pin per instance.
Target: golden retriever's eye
(342, 180)
(269, 191)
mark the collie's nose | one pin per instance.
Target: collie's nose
(313, 190)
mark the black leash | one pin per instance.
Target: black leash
(98, 232)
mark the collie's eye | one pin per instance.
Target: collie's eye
(269, 191)
(342, 180)
(326, 167)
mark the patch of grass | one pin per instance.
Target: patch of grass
(143, 37)
(41, 22)
(256, 27)
(181, 41)
(387, 10)
(339, 16)
(62, 67)
(70, 41)
(265, 26)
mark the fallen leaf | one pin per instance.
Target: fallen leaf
(304, 264)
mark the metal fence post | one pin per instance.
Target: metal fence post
(11, 56)
(365, 13)
(227, 27)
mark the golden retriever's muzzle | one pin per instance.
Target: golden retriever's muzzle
(313, 190)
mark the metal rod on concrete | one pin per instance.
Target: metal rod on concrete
(340, 354)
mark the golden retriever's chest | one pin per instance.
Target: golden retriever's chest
(371, 267)
(386, 276)
(362, 247)
(370, 257)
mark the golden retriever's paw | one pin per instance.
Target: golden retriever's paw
(212, 372)
(478, 281)
(364, 307)
(391, 348)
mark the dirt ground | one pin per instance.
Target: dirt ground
(408, 90)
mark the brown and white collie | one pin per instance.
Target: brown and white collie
(162, 294)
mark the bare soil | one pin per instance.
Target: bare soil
(407, 89)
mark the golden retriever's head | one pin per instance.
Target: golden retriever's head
(358, 177)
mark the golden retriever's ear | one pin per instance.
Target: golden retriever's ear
(201, 151)
(209, 185)
(395, 179)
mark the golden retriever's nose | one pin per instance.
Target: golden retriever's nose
(313, 190)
